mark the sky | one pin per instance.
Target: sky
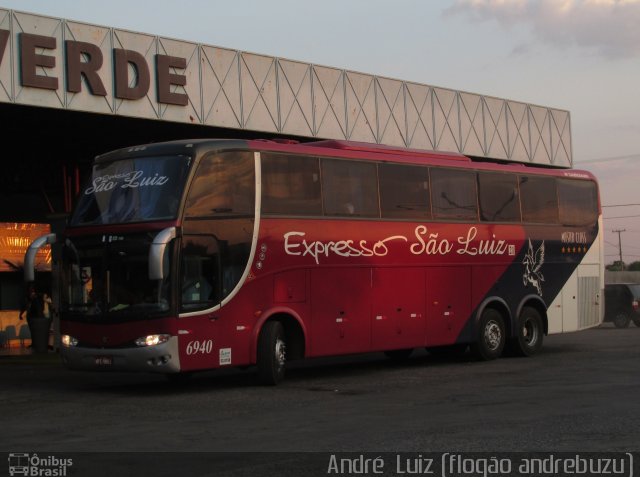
(579, 55)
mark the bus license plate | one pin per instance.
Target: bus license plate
(104, 361)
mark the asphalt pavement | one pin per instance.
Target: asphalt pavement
(580, 393)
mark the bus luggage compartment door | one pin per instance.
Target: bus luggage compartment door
(341, 304)
(448, 291)
(398, 309)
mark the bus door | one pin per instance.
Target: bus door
(341, 308)
(589, 296)
(398, 309)
(199, 292)
(448, 292)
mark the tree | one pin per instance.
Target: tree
(616, 266)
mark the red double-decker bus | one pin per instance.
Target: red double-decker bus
(194, 255)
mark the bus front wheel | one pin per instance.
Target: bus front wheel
(490, 337)
(272, 353)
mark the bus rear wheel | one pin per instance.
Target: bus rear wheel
(490, 336)
(272, 353)
(530, 333)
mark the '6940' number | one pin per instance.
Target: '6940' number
(200, 347)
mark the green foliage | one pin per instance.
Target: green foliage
(616, 266)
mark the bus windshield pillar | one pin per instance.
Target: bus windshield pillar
(30, 255)
(157, 252)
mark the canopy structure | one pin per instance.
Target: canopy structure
(57, 63)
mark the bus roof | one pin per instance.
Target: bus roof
(338, 149)
(375, 152)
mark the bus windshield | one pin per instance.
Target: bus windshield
(133, 190)
(107, 277)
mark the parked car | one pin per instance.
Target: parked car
(622, 304)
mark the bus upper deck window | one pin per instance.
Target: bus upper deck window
(290, 184)
(404, 191)
(578, 200)
(349, 188)
(453, 194)
(224, 184)
(498, 197)
(539, 200)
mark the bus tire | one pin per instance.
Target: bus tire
(490, 336)
(621, 320)
(271, 353)
(636, 321)
(398, 354)
(530, 333)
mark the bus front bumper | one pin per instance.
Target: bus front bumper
(160, 358)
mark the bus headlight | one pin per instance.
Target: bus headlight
(68, 341)
(152, 340)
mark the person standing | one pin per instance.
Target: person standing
(47, 306)
(33, 308)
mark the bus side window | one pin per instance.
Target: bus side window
(539, 200)
(404, 192)
(290, 185)
(453, 194)
(224, 185)
(498, 194)
(578, 202)
(349, 188)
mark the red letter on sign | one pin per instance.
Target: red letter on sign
(29, 60)
(122, 59)
(76, 67)
(165, 79)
